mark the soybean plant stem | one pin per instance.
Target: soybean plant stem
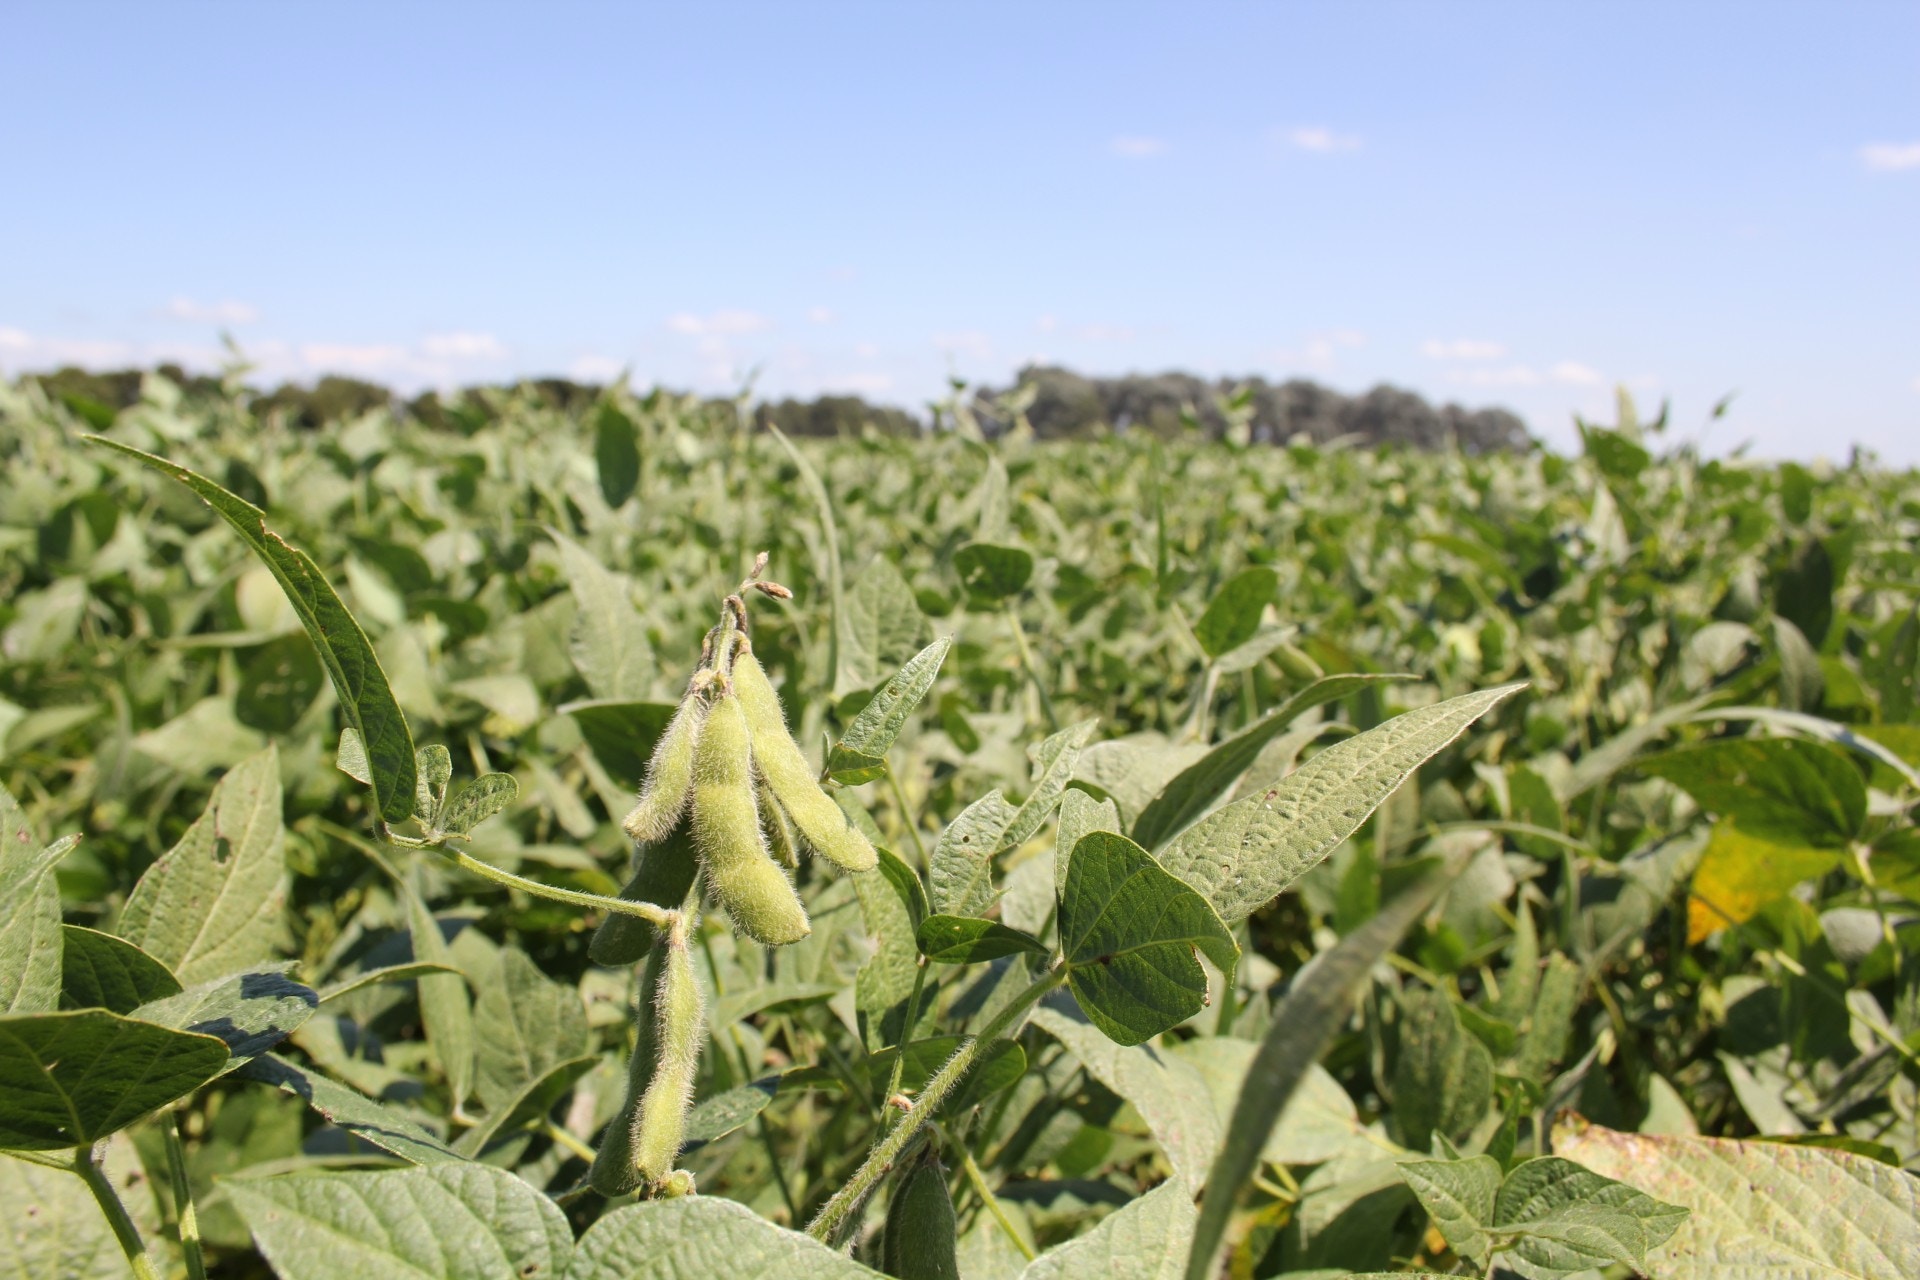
(992, 1201)
(1033, 672)
(183, 1199)
(657, 916)
(124, 1231)
(906, 1034)
(834, 1214)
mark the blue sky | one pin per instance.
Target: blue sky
(1517, 204)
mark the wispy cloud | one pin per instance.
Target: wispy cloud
(463, 346)
(722, 323)
(1132, 146)
(1321, 350)
(1566, 372)
(227, 311)
(594, 368)
(1321, 139)
(361, 358)
(819, 315)
(1462, 349)
(1572, 371)
(1889, 156)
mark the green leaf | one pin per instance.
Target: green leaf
(991, 573)
(777, 997)
(524, 1024)
(531, 1104)
(1318, 1124)
(70, 1079)
(1570, 1219)
(840, 644)
(476, 801)
(355, 1113)
(1443, 1075)
(386, 973)
(1053, 762)
(1145, 1239)
(860, 755)
(210, 906)
(445, 1005)
(1803, 685)
(616, 454)
(100, 971)
(1195, 787)
(51, 1228)
(1244, 855)
(1783, 790)
(1128, 931)
(1761, 1208)
(445, 1221)
(1459, 1196)
(609, 642)
(966, 940)
(885, 626)
(433, 770)
(621, 734)
(1314, 1010)
(30, 936)
(913, 896)
(1803, 591)
(351, 758)
(250, 1012)
(960, 870)
(699, 1238)
(1740, 873)
(365, 697)
(1233, 615)
(716, 1117)
(1080, 813)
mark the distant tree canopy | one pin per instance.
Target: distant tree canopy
(1055, 403)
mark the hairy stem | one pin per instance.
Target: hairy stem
(183, 1199)
(834, 1214)
(657, 916)
(906, 1033)
(124, 1231)
(992, 1202)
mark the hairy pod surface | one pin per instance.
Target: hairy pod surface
(663, 798)
(679, 1027)
(787, 774)
(919, 1241)
(613, 1172)
(744, 878)
(779, 839)
(663, 874)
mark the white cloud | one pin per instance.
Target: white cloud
(1322, 350)
(361, 358)
(866, 350)
(591, 368)
(819, 315)
(1318, 138)
(227, 311)
(1136, 147)
(1578, 374)
(970, 342)
(463, 346)
(1889, 156)
(1462, 349)
(719, 323)
(15, 340)
(1569, 372)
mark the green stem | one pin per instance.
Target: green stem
(183, 1199)
(104, 1195)
(657, 916)
(567, 1140)
(992, 1202)
(907, 816)
(834, 1214)
(906, 1034)
(1033, 673)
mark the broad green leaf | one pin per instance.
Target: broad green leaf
(1318, 1004)
(1803, 591)
(1233, 615)
(355, 1113)
(524, 1024)
(888, 919)
(446, 1008)
(1243, 856)
(433, 770)
(967, 940)
(1549, 1027)
(960, 870)
(621, 734)
(699, 1238)
(1596, 766)
(250, 1012)
(1785, 791)
(609, 643)
(1317, 1125)
(1571, 1219)
(351, 759)
(69, 1079)
(1080, 813)
(721, 1114)
(885, 626)
(1146, 1239)
(476, 801)
(1053, 762)
(1741, 873)
(913, 895)
(445, 1221)
(30, 936)
(1803, 686)
(51, 1228)
(365, 697)
(991, 573)
(531, 1104)
(1129, 931)
(1762, 1208)
(779, 997)
(1459, 1196)
(1200, 783)
(210, 906)
(616, 454)
(100, 971)
(1443, 1076)
(386, 973)
(860, 755)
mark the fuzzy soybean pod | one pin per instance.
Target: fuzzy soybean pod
(785, 770)
(679, 1027)
(919, 1241)
(662, 874)
(669, 775)
(613, 1172)
(726, 829)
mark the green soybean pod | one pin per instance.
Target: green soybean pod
(680, 1025)
(663, 798)
(663, 874)
(613, 1172)
(743, 876)
(919, 1240)
(784, 768)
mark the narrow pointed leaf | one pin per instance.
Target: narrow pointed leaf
(860, 755)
